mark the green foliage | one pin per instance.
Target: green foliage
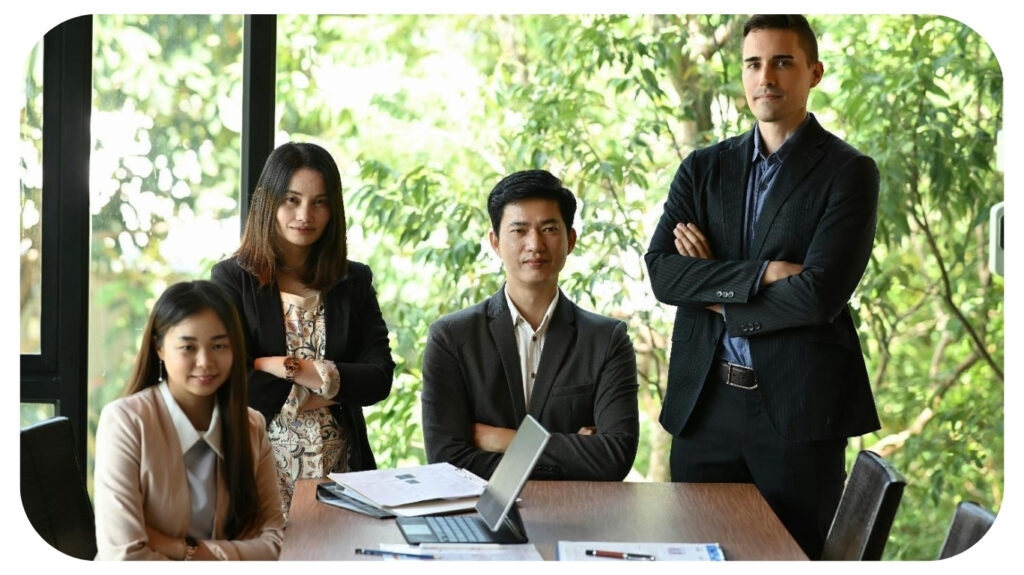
(425, 113)
(611, 104)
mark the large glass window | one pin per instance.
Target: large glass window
(164, 171)
(31, 159)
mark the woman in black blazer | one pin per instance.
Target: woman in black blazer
(315, 337)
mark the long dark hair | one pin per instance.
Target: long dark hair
(259, 253)
(178, 302)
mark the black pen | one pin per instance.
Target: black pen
(619, 555)
(382, 553)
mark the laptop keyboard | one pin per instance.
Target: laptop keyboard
(456, 529)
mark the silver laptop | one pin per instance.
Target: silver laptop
(497, 519)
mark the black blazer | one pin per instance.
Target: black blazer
(586, 377)
(820, 213)
(357, 343)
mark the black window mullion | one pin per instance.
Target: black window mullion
(259, 70)
(58, 373)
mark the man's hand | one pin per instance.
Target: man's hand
(777, 270)
(490, 438)
(691, 242)
(587, 430)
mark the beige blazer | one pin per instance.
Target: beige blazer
(140, 480)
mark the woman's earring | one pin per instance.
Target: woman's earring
(161, 379)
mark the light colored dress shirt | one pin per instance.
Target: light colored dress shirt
(530, 342)
(200, 450)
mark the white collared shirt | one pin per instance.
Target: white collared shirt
(530, 342)
(201, 473)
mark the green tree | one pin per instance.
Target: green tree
(612, 104)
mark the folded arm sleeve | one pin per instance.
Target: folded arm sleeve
(447, 412)
(607, 455)
(836, 259)
(685, 281)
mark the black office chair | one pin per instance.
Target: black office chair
(866, 511)
(52, 491)
(970, 523)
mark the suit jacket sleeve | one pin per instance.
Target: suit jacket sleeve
(264, 544)
(684, 281)
(447, 412)
(363, 359)
(365, 366)
(607, 455)
(266, 392)
(836, 257)
(118, 489)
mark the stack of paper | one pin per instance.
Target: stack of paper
(409, 491)
(605, 551)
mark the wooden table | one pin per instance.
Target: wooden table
(731, 514)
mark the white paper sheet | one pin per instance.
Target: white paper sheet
(469, 551)
(394, 487)
(576, 550)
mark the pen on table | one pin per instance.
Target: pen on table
(619, 555)
(382, 553)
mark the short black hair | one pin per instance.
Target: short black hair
(794, 22)
(530, 184)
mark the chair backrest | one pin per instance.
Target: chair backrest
(970, 523)
(52, 491)
(870, 499)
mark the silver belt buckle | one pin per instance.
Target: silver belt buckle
(728, 378)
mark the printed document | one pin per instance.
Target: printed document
(395, 487)
(577, 550)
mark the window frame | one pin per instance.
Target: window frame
(58, 373)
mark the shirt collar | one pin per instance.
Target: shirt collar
(187, 434)
(783, 150)
(516, 316)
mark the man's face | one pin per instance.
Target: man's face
(777, 77)
(533, 243)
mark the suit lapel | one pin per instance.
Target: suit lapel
(500, 326)
(560, 337)
(804, 155)
(735, 162)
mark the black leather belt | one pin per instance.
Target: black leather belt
(734, 375)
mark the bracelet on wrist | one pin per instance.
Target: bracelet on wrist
(191, 546)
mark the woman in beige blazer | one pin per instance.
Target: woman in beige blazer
(183, 466)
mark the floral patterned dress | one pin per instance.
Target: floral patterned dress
(307, 443)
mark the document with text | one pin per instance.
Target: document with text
(622, 550)
(468, 551)
(396, 487)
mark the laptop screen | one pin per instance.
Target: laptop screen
(512, 472)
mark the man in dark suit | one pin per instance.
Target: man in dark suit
(529, 349)
(762, 241)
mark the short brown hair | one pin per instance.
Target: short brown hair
(794, 22)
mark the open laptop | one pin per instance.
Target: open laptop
(497, 519)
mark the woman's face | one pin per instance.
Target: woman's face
(197, 356)
(305, 211)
